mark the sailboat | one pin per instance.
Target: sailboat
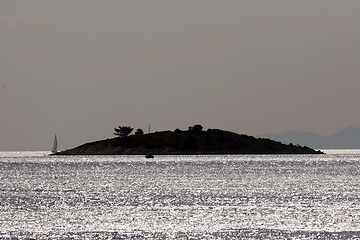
(54, 149)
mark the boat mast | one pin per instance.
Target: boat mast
(54, 149)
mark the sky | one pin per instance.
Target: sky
(81, 68)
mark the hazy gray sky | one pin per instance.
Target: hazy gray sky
(80, 68)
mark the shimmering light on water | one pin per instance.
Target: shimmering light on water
(218, 196)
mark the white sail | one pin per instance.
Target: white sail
(54, 149)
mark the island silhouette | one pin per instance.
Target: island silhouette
(179, 142)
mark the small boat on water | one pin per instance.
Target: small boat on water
(54, 149)
(148, 155)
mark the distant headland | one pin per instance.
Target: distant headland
(349, 138)
(179, 142)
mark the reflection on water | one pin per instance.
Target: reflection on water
(221, 196)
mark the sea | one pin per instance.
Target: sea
(180, 197)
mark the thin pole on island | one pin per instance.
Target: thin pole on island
(149, 128)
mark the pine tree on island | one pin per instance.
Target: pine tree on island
(122, 132)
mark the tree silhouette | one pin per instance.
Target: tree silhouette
(123, 131)
(196, 128)
(139, 132)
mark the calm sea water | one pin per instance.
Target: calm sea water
(180, 197)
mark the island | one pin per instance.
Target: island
(185, 142)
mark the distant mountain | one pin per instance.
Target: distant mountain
(348, 138)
